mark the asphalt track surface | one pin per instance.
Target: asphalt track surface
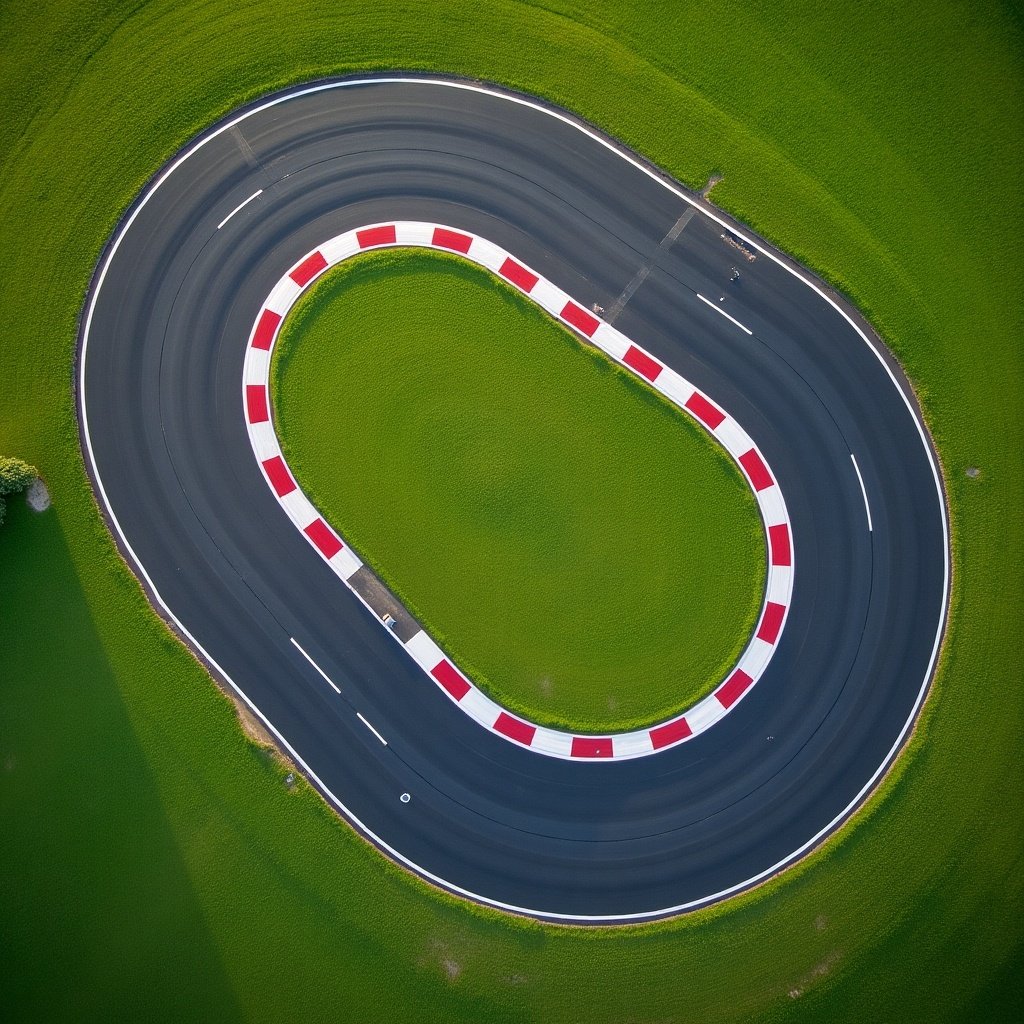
(161, 352)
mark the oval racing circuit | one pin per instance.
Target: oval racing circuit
(162, 346)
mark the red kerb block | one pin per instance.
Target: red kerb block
(704, 410)
(265, 329)
(580, 319)
(308, 269)
(521, 732)
(280, 479)
(771, 623)
(384, 235)
(256, 403)
(642, 363)
(733, 688)
(756, 470)
(456, 240)
(323, 537)
(518, 275)
(591, 746)
(778, 539)
(670, 732)
(450, 678)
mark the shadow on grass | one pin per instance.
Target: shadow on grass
(98, 916)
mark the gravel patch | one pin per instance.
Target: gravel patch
(37, 496)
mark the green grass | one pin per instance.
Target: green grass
(154, 866)
(578, 544)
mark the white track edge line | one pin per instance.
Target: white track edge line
(607, 144)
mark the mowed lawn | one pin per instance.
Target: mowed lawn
(153, 863)
(580, 546)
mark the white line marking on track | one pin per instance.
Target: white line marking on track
(863, 490)
(718, 309)
(371, 728)
(258, 192)
(298, 647)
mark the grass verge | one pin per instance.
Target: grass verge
(153, 865)
(579, 545)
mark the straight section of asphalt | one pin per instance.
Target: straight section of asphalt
(163, 397)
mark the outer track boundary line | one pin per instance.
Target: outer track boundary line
(608, 144)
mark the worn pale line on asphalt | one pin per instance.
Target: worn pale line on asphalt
(863, 490)
(641, 275)
(246, 202)
(298, 647)
(717, 309)
(371, 728)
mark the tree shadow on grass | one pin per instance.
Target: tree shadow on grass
(98, 916)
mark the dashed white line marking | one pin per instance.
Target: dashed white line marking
(371, 728)
(258, 192)
(863, 490)
(717, 309)
(298, 647)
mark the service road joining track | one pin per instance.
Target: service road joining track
(162, 345)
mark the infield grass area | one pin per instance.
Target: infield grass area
(154, 864)
(582, 548)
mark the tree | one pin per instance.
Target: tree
(15, 476)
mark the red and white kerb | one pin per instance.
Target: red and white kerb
(421, 648)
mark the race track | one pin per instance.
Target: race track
(161, 350)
